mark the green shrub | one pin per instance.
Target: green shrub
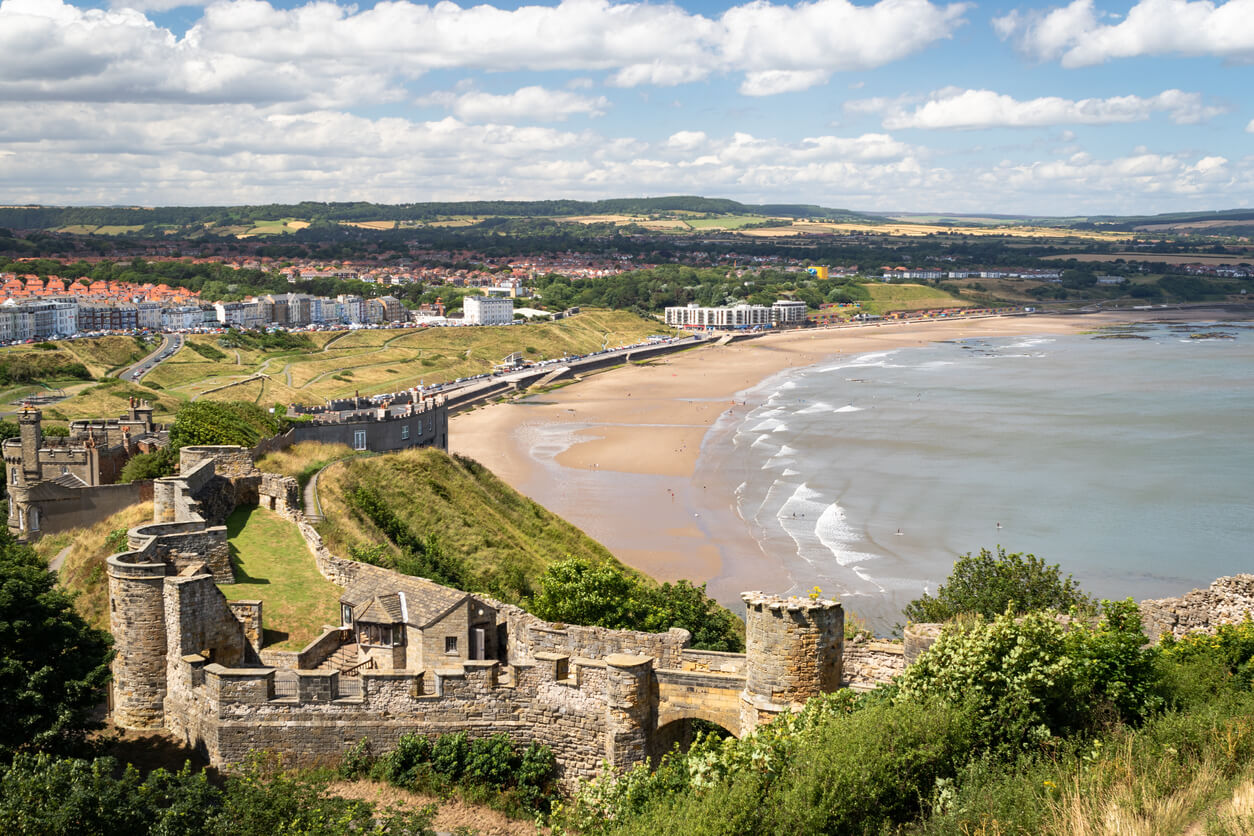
(154, 465)
(222, 422)
(987, 584)
(578, 591)
(401, 765)
(357, 761)
(448, 755)
(492, 761)
(1028, 679)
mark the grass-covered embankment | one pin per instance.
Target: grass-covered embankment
(83, 572)
(491, 537)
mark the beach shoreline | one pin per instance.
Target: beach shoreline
(619, 453)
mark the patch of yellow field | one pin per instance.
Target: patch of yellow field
(914, 230)
(370, 224)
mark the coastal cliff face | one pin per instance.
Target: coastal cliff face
(1228, 600)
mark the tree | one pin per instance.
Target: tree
(222, 422)
(577, 591)
(988, 584)
(53, 666)
(152, 465)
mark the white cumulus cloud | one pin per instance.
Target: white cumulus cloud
(535, 104)
(327, 54)
(956, 108)
(1076, 36)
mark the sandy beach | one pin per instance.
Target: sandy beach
(617, 453)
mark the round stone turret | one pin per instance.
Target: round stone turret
(137, 621)
(793, 651)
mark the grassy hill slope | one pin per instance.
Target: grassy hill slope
(337, 364)
(83, 573)
(502, 540)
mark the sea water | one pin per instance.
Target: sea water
(1126, 456)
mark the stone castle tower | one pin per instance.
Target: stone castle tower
(794, 649)
(137, 622)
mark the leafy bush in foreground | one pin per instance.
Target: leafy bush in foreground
(491, 769)
(40, 794)
(1030, 678)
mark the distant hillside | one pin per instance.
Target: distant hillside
(500, 540)
(141, 220)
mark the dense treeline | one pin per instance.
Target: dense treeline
(672, 284)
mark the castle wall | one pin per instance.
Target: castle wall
(426, 428)
(794, 650)
(198, 620)
(62, 508)
(868, 663)
(184, 544)
(228, 712)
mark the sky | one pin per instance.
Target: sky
(1042, 107)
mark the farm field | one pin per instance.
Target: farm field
(275, 227)
(338, 364)
(728, 221)
(915, 230)
(92, 229)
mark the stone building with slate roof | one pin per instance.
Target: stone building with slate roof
(402, 622)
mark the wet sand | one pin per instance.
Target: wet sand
(617, 453)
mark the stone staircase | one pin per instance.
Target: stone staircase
(342, 659)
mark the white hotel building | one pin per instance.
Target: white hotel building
(783, 312)
(487, 310)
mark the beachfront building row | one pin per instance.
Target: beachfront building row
(783, 312)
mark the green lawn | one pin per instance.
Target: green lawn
(726, 221)
(273, 565)
(897, 297)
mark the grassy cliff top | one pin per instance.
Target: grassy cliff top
(499, 540)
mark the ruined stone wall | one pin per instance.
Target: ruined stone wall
(529, 635)
(280, 494)
(137, 622)
(248, 613)
(230, 462)
(868, 663)
(184, 544)
(1226, 601)
(199, 620)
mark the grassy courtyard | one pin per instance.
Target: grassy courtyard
(273, 565)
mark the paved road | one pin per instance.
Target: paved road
(170, 343)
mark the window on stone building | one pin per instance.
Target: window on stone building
(376, 635)
(404, 431)
(450, 644)
(359, 439)
(419, 426)
(12, 475)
